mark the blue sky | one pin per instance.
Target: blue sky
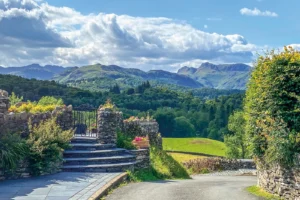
(147, 34)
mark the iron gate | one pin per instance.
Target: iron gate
(85, 121)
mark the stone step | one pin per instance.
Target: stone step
(84, 140)
(96, 153)
(91, 146)
(117, 167)
(99, 160)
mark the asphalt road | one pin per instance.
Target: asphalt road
(198, 188)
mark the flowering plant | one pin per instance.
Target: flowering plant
(141, 142)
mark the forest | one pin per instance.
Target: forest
(180, 114)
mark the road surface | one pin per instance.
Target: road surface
(199, 188)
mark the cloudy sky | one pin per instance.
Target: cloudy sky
(146, 34)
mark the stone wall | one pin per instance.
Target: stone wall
(143, 127)
(21, 172)
(18, 122)
(280, 181)
(142, 158)
(109, 121)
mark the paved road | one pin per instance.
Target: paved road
(61, 186)
(199, 188)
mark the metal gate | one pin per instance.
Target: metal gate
(85, 121)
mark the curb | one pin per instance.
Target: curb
(108, 186)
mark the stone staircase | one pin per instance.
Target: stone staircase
(86, 155)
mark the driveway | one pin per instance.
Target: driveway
(61, 186)
(200, 187)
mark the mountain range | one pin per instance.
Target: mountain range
(224, 76)
(34, 71)
(101, 77)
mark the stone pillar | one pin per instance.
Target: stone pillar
(4, 102)
(108, 124)
(151, 128)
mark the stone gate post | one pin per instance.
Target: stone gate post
(109, 121)
(4, 102)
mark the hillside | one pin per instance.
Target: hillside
(224, 76)
(34, 71)
(195, 145)
(101, 77)
(179, 114)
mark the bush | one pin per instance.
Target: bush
(163, 166)
(45, 104)
(47, 100)
(272, 107)
(47, 142)
(12, 151)
(14, 99)
(124, 141)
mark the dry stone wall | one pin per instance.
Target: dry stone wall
(144, 127)
(142, 158)
(18, 122)
(280, 181)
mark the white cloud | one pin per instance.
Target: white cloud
(41, 33)
(205, 26)
(257, 12)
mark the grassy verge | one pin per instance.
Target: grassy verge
(163, 166)
(257, 191)
(196, 145)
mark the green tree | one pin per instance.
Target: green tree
(272, 107)
(166, 121)
(183, 128)
(236, 143)
(14, 99)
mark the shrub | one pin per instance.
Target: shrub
(14, 99)
(124, 141)
(48, 100)
(12, 151)
(45, 104)
(47, 142)
(272, 107)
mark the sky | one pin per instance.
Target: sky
(144, 34)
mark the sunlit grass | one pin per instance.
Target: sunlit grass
(257, 191)
(195, 145)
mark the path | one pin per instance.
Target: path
(59, 186)
(200, 187)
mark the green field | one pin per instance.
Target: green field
(195, 145)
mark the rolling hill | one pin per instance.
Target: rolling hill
(224, 76)
(34, 71)
(100, 77)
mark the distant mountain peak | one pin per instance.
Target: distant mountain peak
(220, 76)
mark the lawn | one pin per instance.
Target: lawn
(195, 145)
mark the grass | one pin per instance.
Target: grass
(257, 191)
(195, 145)
(182, 157)
(163, 166)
